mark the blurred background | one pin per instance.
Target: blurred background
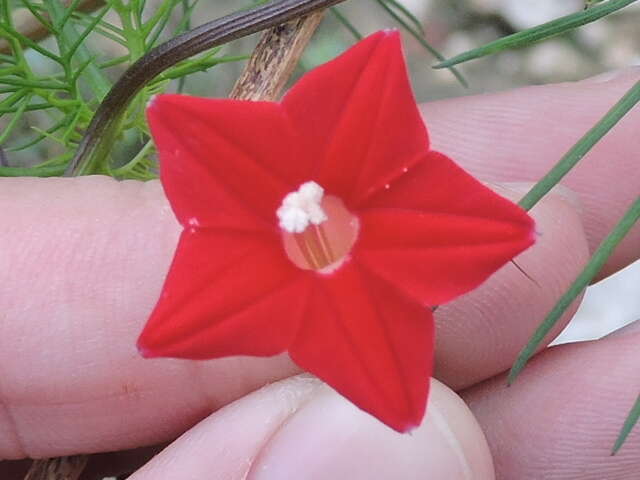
(450, 26)
(453, 26)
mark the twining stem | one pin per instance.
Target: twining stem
(94, 147)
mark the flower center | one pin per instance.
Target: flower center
(317, 229)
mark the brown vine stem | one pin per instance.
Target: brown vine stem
(269, 68)
(30, 27)
(95, 144)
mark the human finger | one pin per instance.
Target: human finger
(561, 417)
(480, 334)
(85, 261)
(518, 135)
(299, 428)
(87, 258)
(89, 263)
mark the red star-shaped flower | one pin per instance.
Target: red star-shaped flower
(323, 226)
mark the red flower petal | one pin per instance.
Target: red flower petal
(358, 118)
(437, 232)
(220, 162)
(369, 342)
(428, 231)
(227, 293)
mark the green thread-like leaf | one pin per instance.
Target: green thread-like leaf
(584, 279)
(629, 423)
(11, 33)
(409, 15)
(539, 33)
(16, 117)
(418, 35)
(49, 171)
(82, 36)
(346, 23)
(582, 147)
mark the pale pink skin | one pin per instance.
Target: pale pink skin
(83, 263)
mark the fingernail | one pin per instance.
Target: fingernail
(631, 328)
(330, 438)
(613, 75)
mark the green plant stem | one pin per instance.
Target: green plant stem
(419, 36)
(44, 171)
(580, 149)
(133, 36)
(347, 23)
(181, 71)
(539, 33)
(632, 419)
(594, 265)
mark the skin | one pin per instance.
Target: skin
(85, 259)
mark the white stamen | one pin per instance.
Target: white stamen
(193, 221)
(302, 207)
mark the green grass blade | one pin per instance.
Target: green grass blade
(539, 33)
(346, 23)
(629, 423)
(420, 38)
(580, 149)
(588, 273)
(202, 65)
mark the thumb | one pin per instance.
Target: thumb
(299, 428)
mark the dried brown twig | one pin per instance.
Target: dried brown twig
(275, 58)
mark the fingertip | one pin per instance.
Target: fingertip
(333, 439)
(316, 434)
(519, 135)
(569, 404)
(481, 333)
